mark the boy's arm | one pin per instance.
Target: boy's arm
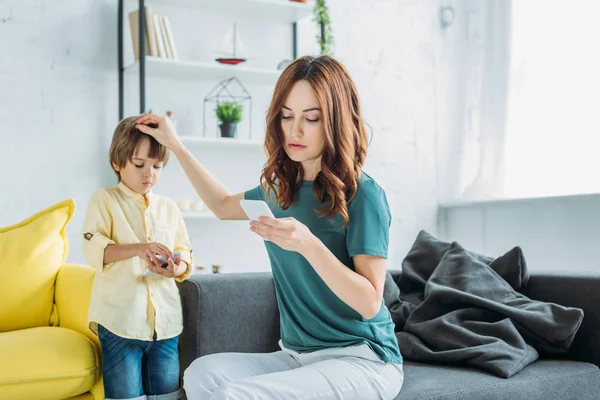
(120, 252)
(183, 245)
(98, 247)
(97, 228)
(146, 251)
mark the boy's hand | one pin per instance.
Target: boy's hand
(174, 269)
(148, 252)
(162, 129)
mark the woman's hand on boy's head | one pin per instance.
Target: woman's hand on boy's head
(164, 132)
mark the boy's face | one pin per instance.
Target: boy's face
(141, 173)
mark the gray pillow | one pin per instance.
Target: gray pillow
(391, 292)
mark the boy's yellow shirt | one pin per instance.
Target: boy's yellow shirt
(124, 301)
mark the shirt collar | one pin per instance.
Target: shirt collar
(139, 197)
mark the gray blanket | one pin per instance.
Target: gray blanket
(464, 308)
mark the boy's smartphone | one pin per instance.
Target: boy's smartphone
(255, 209)
(164, 262)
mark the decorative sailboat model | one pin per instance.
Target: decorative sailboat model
(233, 57)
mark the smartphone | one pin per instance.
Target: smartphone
(164, 262)
(255, 209)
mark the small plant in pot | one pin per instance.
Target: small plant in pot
(230, 114)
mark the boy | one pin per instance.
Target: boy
(136, 314)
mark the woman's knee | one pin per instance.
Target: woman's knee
(229, 391)
(201, 378)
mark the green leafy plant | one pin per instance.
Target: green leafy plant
(229, 112)
(325, 36)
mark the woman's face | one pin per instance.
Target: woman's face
(303, 128)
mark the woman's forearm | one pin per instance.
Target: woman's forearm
(210, 190)
(352, 288)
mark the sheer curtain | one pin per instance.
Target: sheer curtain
(471, 151)
(553, 124)
(489, 117)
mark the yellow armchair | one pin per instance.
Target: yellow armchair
(55, 362)
(72, 299)
(46, 348)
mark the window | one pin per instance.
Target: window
(553, 120)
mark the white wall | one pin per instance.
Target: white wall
(410, 74)
(58, 96)
(57, 105)
(555, 233)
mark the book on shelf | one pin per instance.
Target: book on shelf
(170, 38)
(152, 44)
(150, 36)
(159, 37)
(165, 37)
(162, 52)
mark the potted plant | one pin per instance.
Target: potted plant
(230, 114)
(321, 17)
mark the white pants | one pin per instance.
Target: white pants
(348, 373)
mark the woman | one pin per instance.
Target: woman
(327, 244)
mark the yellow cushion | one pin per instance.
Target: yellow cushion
(85, 396)
(46, 363)
(31, 252)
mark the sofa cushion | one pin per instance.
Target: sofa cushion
(543, 379)
(46, 363)
(31, 252)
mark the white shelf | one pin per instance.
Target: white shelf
(229, 143)
(199, 215)
(278, 10)
(203, 70)
(205, 216)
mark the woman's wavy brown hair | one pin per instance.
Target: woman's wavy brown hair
(345, 137)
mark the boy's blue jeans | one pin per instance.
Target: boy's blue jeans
(133, 368)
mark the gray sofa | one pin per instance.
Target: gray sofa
(238, 312)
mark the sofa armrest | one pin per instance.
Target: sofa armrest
(573, 290)
(228, 312)
(72, 297)
(72, 294)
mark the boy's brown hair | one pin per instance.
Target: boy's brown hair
(125, 142)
